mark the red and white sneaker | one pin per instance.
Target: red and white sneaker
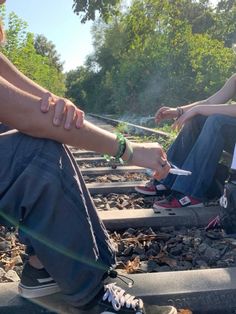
(150, 188)
(177, 200)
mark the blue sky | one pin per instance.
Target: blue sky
(56, 20)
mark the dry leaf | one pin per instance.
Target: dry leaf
(9, 265)
(133, 266)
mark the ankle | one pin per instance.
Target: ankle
(35, 262)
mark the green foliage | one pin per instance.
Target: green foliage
(165, 142)
(225, 22)
(87, 9)
(159, 52)
(47, 49)
(20, 49)
(122, 127)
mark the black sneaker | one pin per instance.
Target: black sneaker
(114, 300)
(36, 283)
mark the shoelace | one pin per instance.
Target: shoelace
(118, 298)
(213, 223)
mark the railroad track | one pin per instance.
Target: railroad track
(202, 291)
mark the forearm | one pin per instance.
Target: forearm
(226, 93)
(224, 109)
(22, 111)
(15, 77)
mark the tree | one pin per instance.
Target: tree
(47, 49)
(19, 48)
(225, 22)
(87, 9)
(158, 52)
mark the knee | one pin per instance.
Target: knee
(29, 145)
(215, 121)
(196, 120)
(194, 124)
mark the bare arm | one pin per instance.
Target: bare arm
(15, 77)
(226, 93)
(22, 111)
(205, 110)
(63, 106)
(225, 109)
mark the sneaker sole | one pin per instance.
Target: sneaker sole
(165, 309)
(145, 192)
(172, 311)
(36, 292)
(156, 208)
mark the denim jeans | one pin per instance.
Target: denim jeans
(198, 148)
(43, 192)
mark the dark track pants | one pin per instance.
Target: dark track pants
(42, 190)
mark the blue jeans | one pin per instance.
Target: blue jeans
(43, 192)
(198, 148)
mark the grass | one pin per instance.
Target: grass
(165, 142)
(122, 128)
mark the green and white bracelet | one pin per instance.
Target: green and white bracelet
(124, 145)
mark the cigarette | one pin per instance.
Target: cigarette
(180, 172)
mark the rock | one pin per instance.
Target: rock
(128, 251)
(187, 240)
(139, 250)
(5, 246)
(163, 268)
(211, 254)
(2, 273)
(149, 231)
(107, 207)
(151, 252)
(202, 248)
(197, 242)
(167, 229)
(12, 276)
(151, 266)
(176, 250)
(185, 265)
(144, 266)
(201, 264)
(129, 232)
(18, 260)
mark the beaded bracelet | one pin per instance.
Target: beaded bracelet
(130, 152)
(121, 150)
(123, 146)
(180, 111)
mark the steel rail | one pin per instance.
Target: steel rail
(133, 128)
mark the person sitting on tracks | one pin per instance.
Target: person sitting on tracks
(43, 193)
(207, 128)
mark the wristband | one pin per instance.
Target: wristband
(180, 111)
(122, 143)
(130, 152)
(122, 146)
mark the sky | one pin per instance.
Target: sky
(56, 20)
